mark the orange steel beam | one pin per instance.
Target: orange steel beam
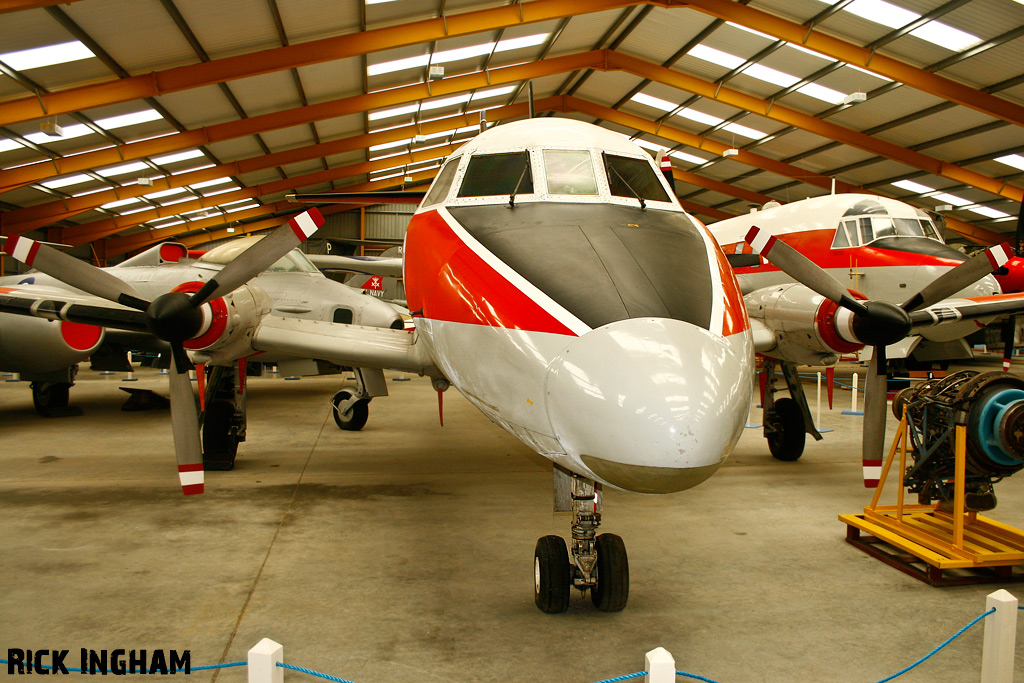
(17, 177)
(792, 117)
(21, 5)
(719, 186)
(88, 232)
(22, 220)
(122, 245)
(698, 142)
(701, 210)
(867, 59)
(302, 54)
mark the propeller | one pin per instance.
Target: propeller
(174, 317)
(875, 323)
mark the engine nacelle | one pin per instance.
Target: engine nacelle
(805, 327)
(229, 323)
(34, 345)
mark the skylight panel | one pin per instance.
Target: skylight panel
(456, 54)
(746, 132)
(699, 116)
(7, 144)
(389, 145)
(951, 199)
(189, 170)
(67, 133)
(397, 111)
(1015, 160)
(120, 202)
(130, 212)
(34, 58)
(661, 149)
(989, 212)
(492, 92)
(446, 102)
(178, 200)
(67, 180)
(233, 209)
(710, 54)
(893, 16)
(820, 92)
(209, 183)
(128, 119)
(180, 156)
(911, 186)
(656, 102)
(222, 191)
(122, 169)
(167, 225)
(766, 74)
(165, 193)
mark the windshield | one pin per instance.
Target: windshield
(861, 230)
(632, 177)
(497, 174)
(569, 171)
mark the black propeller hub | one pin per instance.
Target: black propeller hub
(172, 318)
(883, 324)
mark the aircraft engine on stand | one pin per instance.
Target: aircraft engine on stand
(991, 406)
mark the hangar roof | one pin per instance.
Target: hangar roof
(179, 118)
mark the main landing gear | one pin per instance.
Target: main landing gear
(599, 563)
(352, 403)
(224, 417)
(786, 421)
(51, 392)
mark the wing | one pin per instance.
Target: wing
(59, 304)
(951, 311)
(388, 266)
(352, 345)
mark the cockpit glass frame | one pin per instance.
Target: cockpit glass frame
(442, 183)
(858, 231)
(489, 175)
(570, 171)
(632, 176)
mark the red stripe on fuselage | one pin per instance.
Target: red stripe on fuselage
(446, 280)
(817, 246)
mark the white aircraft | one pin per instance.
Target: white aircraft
(556, 282)
(46, 352)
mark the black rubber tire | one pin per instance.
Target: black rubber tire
(51, 400)
(220, 446)
(612, 590)
(788, 443)
(355, 418)
(551, 576)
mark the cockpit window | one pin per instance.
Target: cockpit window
(443, 182)
(855, 232)
(293, 262)
(631, 177)
(497, 174)
(569, 172)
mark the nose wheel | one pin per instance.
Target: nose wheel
(598, 562)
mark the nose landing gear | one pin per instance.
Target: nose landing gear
(599, 562)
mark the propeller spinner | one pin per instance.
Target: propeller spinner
(174, 317)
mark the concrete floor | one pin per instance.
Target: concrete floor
(404, 552)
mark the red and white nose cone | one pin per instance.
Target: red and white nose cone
(652, 405)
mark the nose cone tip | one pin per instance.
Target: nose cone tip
(650, 405)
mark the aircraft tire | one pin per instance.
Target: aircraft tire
(787, 443)
(220, 446)
(551, 575)
(612, 590)
(355, 418)
(51, 399)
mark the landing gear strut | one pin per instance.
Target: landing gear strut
(598, 562)
(352, 403)
(787, 421)
(51, 391)
(224, 417)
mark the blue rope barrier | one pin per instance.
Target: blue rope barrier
(944, 644)
(638, 674)
(699, 678)
(228, 665)
(313, 673)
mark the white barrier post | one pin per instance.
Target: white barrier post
(853, 399)
(1000, 634)
(263, 659)
(660, 665)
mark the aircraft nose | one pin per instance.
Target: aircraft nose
(651, 405)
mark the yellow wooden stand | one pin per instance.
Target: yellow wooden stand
(977, 549)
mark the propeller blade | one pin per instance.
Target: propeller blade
(802, 269)
(260, 256)
(185, 426)
(964, 275)
(875, 391)
(74, 272)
